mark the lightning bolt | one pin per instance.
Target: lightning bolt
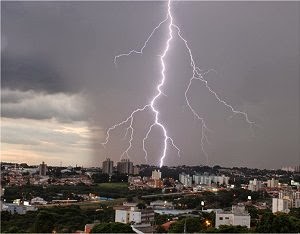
(197, 75)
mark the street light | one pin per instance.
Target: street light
(202, 204)
(207, 223)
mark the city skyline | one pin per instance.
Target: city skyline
(61, 90)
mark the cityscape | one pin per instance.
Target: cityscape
(150, 117)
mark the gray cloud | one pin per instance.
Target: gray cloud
(35, 105)
(28, 73)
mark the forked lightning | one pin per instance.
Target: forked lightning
(197, 75)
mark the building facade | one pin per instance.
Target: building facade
(125, 167)
(286, 200)
(131, 214)
(186, 180)
(108, 166)
(255, 185)
(156, 175)
(43, 169)
(237, 216)
(209, 179)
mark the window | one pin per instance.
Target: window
(221, 218)
(226, 217)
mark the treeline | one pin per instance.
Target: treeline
(50, 192)
(59, 219)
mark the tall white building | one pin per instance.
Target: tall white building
(108, 166)
(255, 185)
(237, 216)
(202, 179)
(185, 179)
(209, 179)
(286, 200)
(272, 183)
(156, 175)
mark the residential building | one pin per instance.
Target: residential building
(237, 216)
(125, 167)
(136, 170)
(17, 208)
(156, 175)
(286, 200)
(186, 180)
(129, 213)
(209, 179)
(155, 183)
(38, 201)
(272, 183)
(255, 185)
(281, 205)
(202, 179)
(108, 166)
(43, 169)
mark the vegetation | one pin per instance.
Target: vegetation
(112, 228)
(279, 223)
(61, 219)
(112, 190)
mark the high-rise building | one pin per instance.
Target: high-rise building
(156, 175)
(272, 183)
(286, 200)
(136, 170)
(255, 185)
(125, 166)
(43, 169)
(209, 179)
(108, 166)
(185, 179)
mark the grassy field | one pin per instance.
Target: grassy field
(113, 186)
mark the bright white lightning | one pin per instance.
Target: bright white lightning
(197, 74)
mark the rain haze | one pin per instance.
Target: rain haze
(60, 88)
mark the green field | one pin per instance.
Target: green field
(113, 186)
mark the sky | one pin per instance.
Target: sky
(60, 88)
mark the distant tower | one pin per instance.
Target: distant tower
(43, 169)
(107, 166)
(125, 167)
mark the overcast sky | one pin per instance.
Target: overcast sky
(60, 89)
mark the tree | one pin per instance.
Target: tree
(44, 222)
(265, 223)
(232, 229)
(112, 228)
(191, 225)
(141, 205)
(161, 219)
(283, 223)
(100, 178)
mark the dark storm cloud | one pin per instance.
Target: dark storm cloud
(30, 74)
(254, 46)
